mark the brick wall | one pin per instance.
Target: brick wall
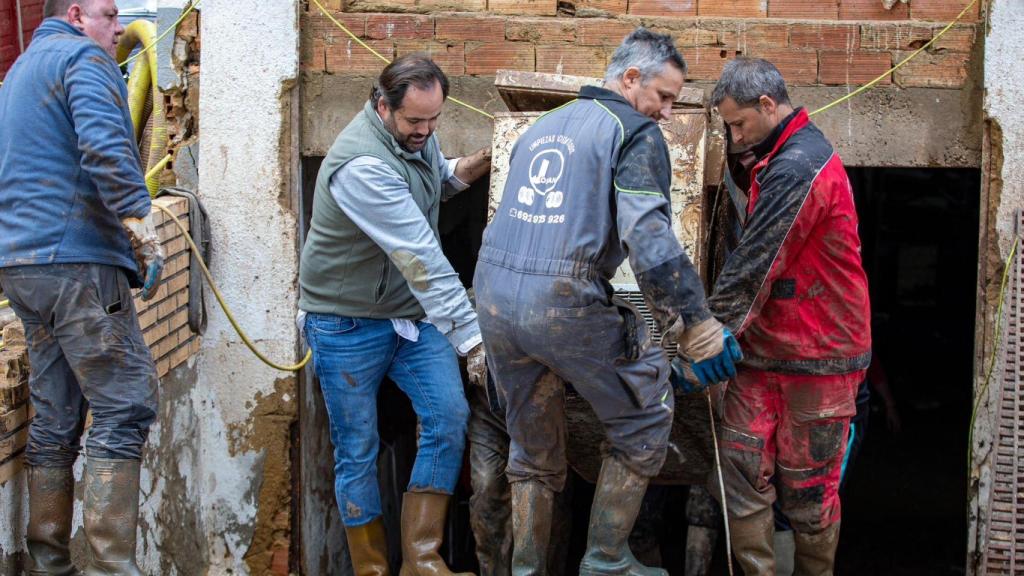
(812, 42)
(164, 322)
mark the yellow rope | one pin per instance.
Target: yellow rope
(384, 58)
(992, 360)
(881, 77)
(161, 36)
(227, 311)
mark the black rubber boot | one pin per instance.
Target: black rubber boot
(616, 505)
(111, 515)
(51, 499)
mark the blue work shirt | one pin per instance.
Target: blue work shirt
(69, 164)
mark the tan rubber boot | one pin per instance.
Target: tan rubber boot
(423, 515)
(752, 543)
(368, 548)
(111, 515)
(532, 505)
(616, 505)
(816, 553)
(51, 499)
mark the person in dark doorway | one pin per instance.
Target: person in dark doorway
(78, 235)
(794, 291)
(379, 299)
(588, 184)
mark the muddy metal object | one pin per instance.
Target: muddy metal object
(528, 95)
(51, 494)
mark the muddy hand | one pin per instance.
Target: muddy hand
(476, 365)
(149, 255)
(712, 349)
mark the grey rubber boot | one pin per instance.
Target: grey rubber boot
(111, 515)
(785, 549)
(616, 505)
(816, 553)
(752, 543)
(532, 505)
(51, 500)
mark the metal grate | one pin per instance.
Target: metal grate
(1004, 552)
(630, 293)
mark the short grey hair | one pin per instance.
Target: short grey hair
(746, 79)
(59, 8)
(647, 51)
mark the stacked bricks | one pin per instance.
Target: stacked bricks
(164, 319)
(164, 322)
(812, 43)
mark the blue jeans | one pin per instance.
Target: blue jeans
(351, 357)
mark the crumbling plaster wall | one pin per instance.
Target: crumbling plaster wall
(1002, 197)
(245, 409)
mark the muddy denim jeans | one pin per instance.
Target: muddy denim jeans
(87, 352)
(351, 357)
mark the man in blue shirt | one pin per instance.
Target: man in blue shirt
(76, 237)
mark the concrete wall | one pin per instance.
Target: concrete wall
(1003, 196)
(244, 410)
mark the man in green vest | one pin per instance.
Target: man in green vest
(380, 299)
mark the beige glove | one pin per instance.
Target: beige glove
(149, 255)
(702, 341)
(476, 365)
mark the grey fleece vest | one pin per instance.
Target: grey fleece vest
(343, 271)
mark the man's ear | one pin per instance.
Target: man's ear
(631, 76)
(767, 104)
(74, 15)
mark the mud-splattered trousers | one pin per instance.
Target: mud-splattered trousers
(588, 184)
(490, 506)
(86, 352)
(795, 293)
(351, 357)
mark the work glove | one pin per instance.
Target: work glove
(712, 350)
(149, 255)
(683, 378)
(476, 365)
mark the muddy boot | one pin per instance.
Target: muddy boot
(423, 515)
(616, 504)
(784, 551)
(700, 548)
(752, 543)
(815, 553)
(532, 503)
(51, 499)
(111, 515)
(368, 548)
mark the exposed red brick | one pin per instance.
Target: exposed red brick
(318, 24)
(741, 34)
(894, 36)
(686, 32)
(958, 38)
(663, 7)
(932, 70)
(872, 10)
(488, 29)
(943, 10)
(575, 60)
(453, 5)
(612, 6)
(705, 63)
(842, 68)
(347, 57)
(825, 36)
(450, 57)
(541, 29)
(816, 9)
(598, 31)
(403, 26)
(733, 8)
(796, 66)
(530, 7)
(488, 57)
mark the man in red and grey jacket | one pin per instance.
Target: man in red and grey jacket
(794, 291)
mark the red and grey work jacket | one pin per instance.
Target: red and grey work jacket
(793, 290)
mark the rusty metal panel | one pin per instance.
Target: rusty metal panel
(1004, 549)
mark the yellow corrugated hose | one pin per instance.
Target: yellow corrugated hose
(144, 100)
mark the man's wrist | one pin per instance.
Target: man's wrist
(469, 344)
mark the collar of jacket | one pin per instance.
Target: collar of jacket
(52, 26)
(599, 93)
(378, 125)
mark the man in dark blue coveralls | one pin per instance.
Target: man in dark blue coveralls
(588, 185)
